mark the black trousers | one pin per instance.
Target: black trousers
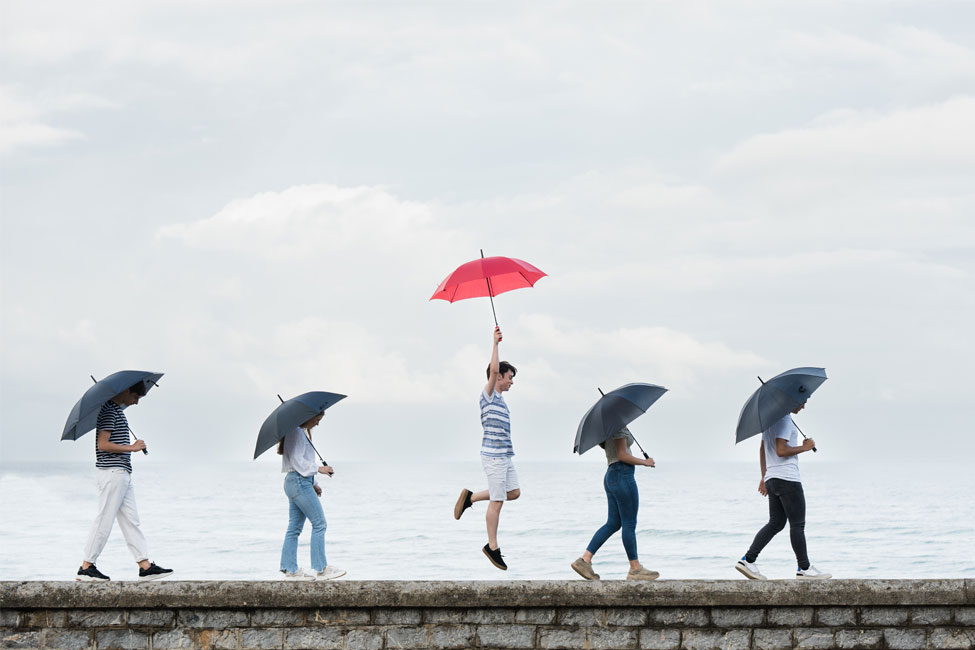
(786, 501)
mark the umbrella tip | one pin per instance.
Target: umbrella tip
(279, 397)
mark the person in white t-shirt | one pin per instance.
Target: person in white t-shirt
(778, 456)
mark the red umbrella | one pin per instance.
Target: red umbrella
(488, 276)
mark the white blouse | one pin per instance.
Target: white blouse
(299, 455)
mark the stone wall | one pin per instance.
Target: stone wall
(538, 614)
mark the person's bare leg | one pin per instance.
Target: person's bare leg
(587, 556)
(483, 495)
(634, 564)
(492, 517)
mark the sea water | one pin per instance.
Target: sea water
(395, 521)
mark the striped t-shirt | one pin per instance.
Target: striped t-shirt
(112, 418)
(496, 422)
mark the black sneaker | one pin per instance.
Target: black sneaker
(495, 557)
(463, 503)
(91, 574)
(154, 572)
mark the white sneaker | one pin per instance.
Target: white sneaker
(297, 575)
(329, 573)
(812, 572)
(749, 570)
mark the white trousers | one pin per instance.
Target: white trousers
(116, 500)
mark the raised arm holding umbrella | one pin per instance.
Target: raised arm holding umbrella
(769, 411)
(605, 424)
(289, 427)
(101, 408)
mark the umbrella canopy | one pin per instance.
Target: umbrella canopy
(776, 398)
(487, 276)
(613, 411)
(84, 415)
(290, 414)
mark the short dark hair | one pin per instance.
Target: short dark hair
(139, 389)
(503, 368)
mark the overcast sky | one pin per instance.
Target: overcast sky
(260, 197)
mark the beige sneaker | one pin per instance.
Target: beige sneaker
(642, 574)
(584, 569)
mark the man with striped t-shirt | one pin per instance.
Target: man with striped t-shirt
(116, 496)
(496, 453)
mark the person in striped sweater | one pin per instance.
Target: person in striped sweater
(116, 496)
(496, 453)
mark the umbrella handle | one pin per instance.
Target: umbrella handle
(491, 295)
(804, 436)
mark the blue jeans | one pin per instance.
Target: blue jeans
(624, 501)
(304, 504)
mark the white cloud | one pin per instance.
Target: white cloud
(344, 356)
(654, 351)
(940, 135)
(310, 220)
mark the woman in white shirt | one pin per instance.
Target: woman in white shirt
(300, 485)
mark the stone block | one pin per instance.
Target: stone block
(218, 639)
(451, 636)
(766, 639)
(565, 638)
(278, 617)
(612, 617)
(858, 639)
(397, 616)
(172, 640)
(262, 639)
(9, 618)
(14, 639)
(368, 639)
(883, 615)
(737, 616)
(338, 617)
(943, 637)
(96, 617)
(121, 640)
(902, 639)
(930, 616)
(965, 615)
(659, 639)
(679, 616)
(406, 637)
(506, 636)
(301, 638)
(216, 619)
(611, 639)
(485, 616)
(538, 615)
(67, 639)
(814, 637)
(715, 640)
(152, 617)
(836, 616)
(790, 616)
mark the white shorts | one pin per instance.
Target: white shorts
(501, 476)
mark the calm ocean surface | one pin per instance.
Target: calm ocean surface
(226, 521)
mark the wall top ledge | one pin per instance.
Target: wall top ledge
(515, 593)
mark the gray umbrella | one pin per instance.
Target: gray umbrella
(289, 415)
(613, 412)
(776, 398)
(84, 415)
